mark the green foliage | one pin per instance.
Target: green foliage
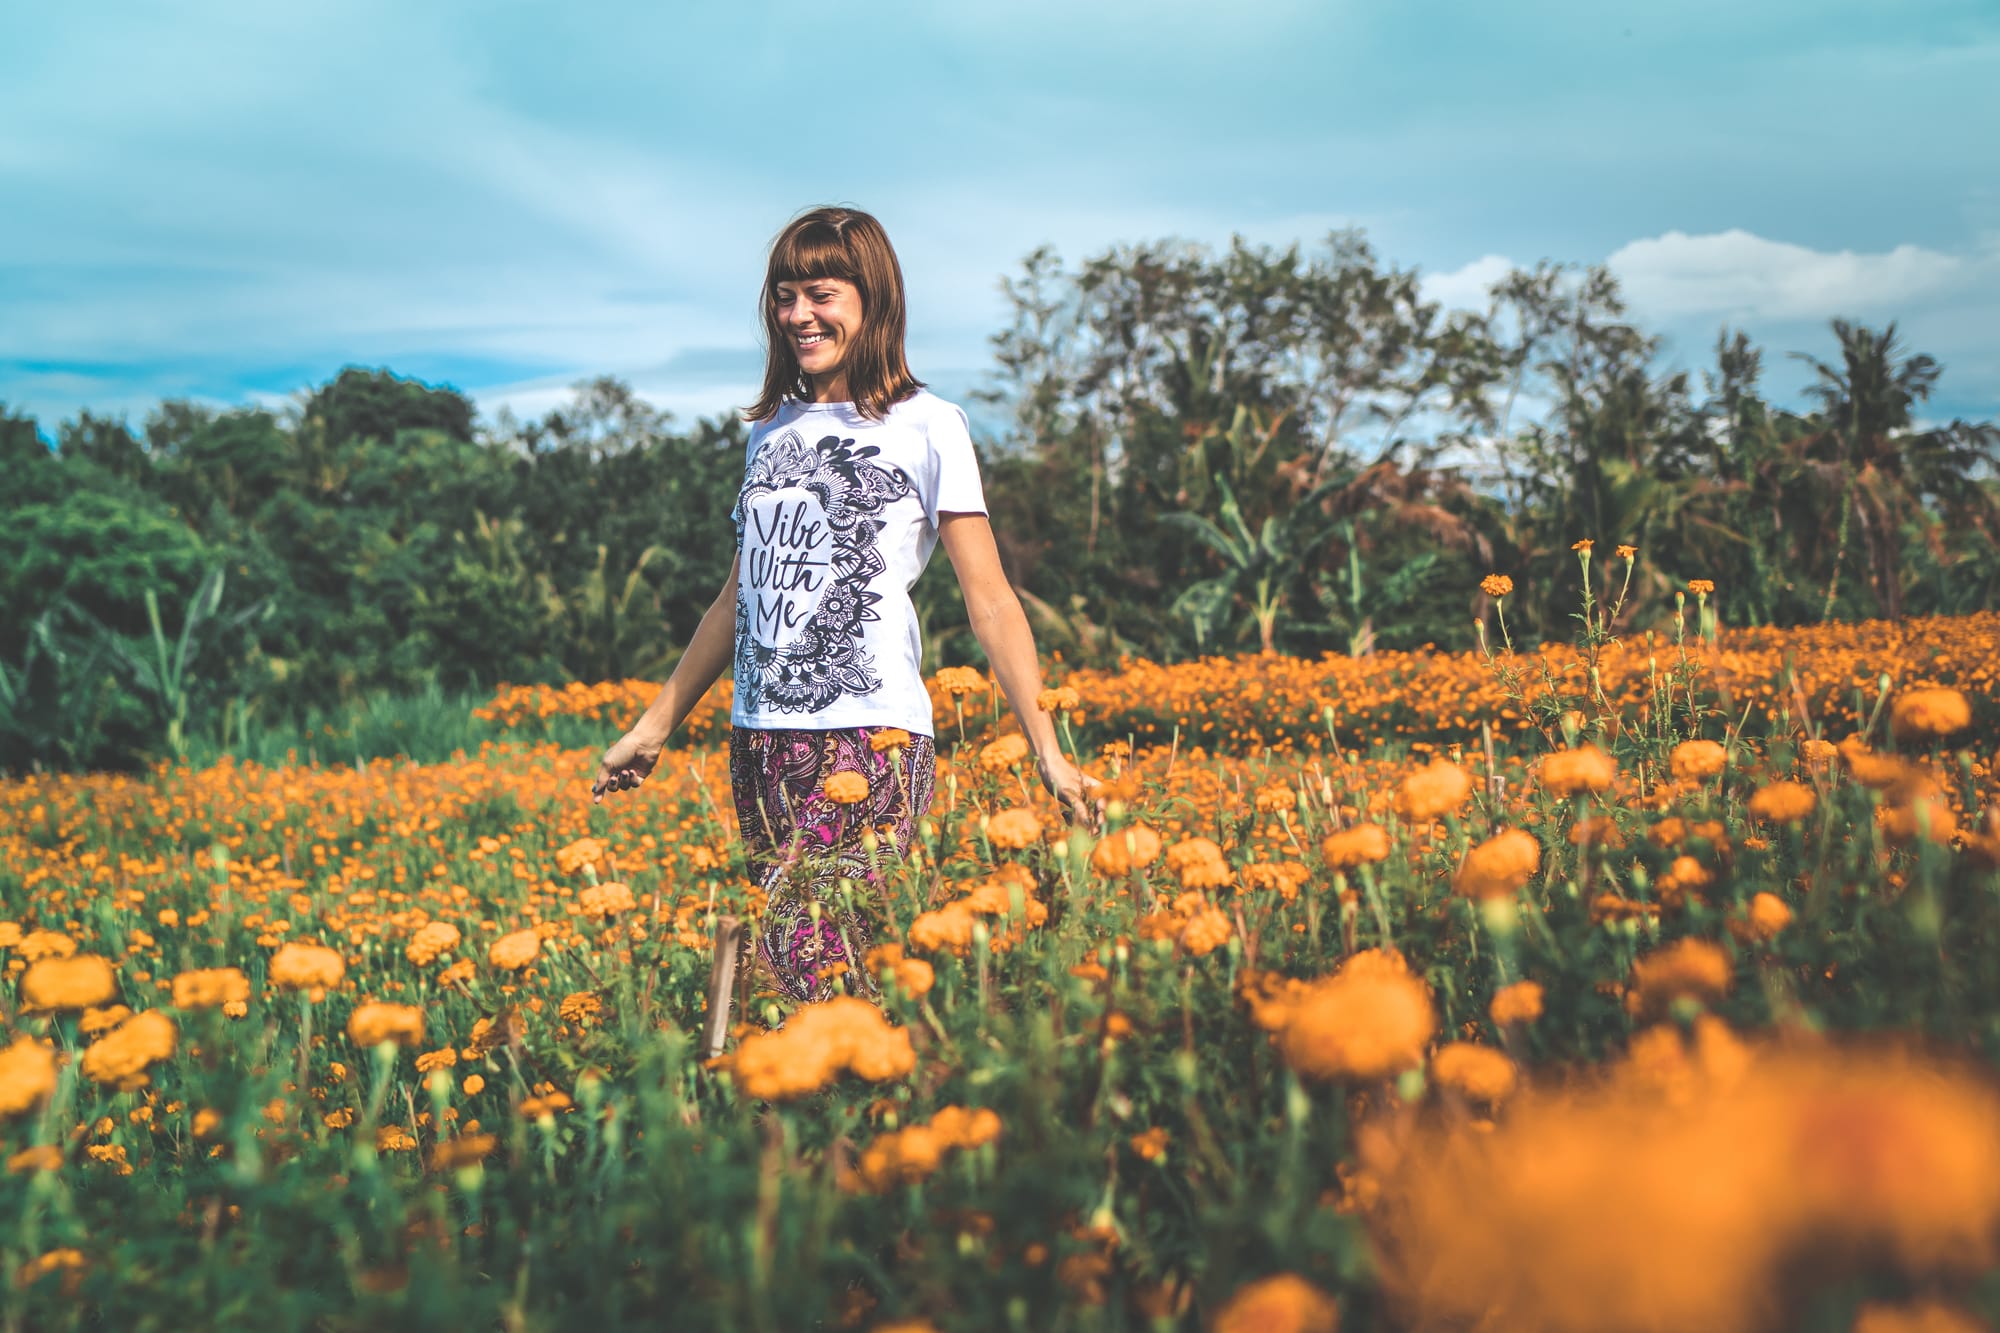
(60, 702)
(1205, 450)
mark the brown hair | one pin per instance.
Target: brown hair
(844, 243)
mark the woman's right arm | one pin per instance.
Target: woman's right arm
(630, 759)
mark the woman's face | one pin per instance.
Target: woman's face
(822, 317)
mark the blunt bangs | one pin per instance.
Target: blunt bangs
(813, 251)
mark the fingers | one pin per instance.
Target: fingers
(613, 779)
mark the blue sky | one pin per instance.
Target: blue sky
(230, 201)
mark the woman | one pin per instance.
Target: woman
(853, 474)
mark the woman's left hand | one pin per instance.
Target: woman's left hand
(1074, 789)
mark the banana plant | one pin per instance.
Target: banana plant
(165, 675)
(1255, 566)
(48, 700)
(618, 631)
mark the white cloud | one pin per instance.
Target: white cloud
(1465, 287)
(1737, 274)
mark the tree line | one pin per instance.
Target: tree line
(1257, 449)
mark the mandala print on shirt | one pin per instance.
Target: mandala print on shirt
(803, 596)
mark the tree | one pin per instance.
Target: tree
(1888, 469)
(363, 404)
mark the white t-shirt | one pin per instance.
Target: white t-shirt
(836, 519)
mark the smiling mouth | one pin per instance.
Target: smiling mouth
(811, 339)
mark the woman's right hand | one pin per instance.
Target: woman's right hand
(625, 765)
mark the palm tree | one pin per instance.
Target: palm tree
(1884, 468)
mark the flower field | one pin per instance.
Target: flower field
(1618, 987)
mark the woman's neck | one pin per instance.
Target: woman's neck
(829, 388)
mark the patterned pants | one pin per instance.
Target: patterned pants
(800, 844)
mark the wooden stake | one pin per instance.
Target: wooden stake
(721, 984)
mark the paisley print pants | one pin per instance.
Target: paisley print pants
(800, 844)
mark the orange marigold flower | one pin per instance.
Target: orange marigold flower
(65, 1261)
(210, 988)
(1582, 544)
(1697, 761)
(901, 1157)
(1496, 585)
(1818, 753)
(39, 944)
(41, 1157)
(68, 983)
(1768, 915)
(1686, 969)
(1477, 1073)
(307, 967)
(1576, 772)
(584, 852)
(1500, 866)
(1150, 1144)
(1701, 587)
(1283, 878)
(1520, 1002)
(442, 1058)
(1897, 779)
(394, 1138)
(580, 1007)
(1276, 798)
(1014, 829)
(374, 1023)
(1596, 831)
(1433, 791)
(550, 1103)
(1922, 816)
(1370, 1020)
(606, 899)
(947, 928)
(122, 1056)
(957, 681)
(1003, 754)
(889, 738)
(1924, 1317)
(95, 1021)
(1193, 851)
(27, 1075)
(820, 1043)
(431, 940)
(1061, 699)
(1686, 875)
(1626, 551)
(1929, 715)
(846, 788)
(1202, 876)
(1199, 864)
(515, 950)
(465, 1150)
(914, 976)
(473, 1085)
(1206, 931)
(1351, 847)
(1782, 802)
(1122, 851)
(1286, 1303)
(960, 1128)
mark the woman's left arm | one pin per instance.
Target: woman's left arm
(1002, 630)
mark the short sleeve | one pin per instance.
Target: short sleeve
(957, 489)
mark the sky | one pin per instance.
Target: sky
(228, 202)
